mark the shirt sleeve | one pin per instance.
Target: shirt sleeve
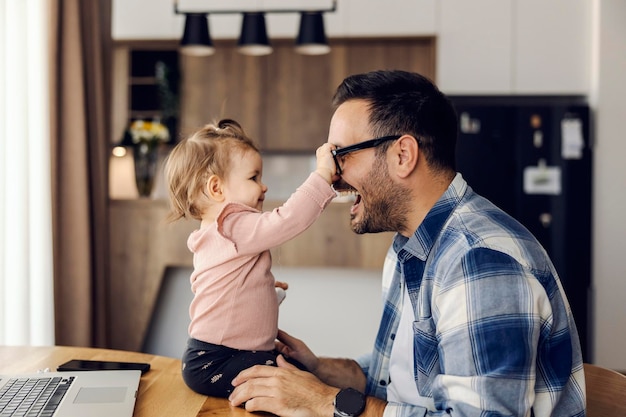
(252, 231)
(392, 409)
(403, 410)
(364, 362)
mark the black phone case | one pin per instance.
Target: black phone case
(90, 365)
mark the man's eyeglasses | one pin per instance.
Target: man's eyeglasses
(372, 143)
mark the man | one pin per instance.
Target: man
(475, 321)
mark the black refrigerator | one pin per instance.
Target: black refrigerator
(532, 157)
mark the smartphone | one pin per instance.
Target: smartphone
(89, 365)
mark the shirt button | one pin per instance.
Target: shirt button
(383, 383)
(393, 336)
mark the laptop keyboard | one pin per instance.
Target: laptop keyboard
(33, 397)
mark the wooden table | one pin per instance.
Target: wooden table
(162, 391)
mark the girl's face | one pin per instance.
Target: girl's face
(243, 182)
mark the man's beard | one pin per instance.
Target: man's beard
(386, 206)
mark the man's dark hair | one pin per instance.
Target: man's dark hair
(402, 102)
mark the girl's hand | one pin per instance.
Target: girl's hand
(281, 287)
(326, 163)
(280, 284)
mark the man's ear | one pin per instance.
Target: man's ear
(214, 188)
(406, 155)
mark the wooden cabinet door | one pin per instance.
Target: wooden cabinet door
(224, 85)
(283, 100)
(553, 47)
(474, 47)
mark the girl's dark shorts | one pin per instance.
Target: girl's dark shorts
(208, 369)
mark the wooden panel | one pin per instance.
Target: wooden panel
(119, 94)
(297, 108)
(377, 54)
(142, 246)
(330, 242)
(225, 85)
(283, 100)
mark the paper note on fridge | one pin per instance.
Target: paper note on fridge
(572, 142)
(542, 180)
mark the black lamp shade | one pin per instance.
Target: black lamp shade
(196, 39)
(311, 38)
(253, 39)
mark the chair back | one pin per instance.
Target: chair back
(606, 391)
(167, 332)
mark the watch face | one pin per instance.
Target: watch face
(350, 402)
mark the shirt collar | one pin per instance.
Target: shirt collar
(421, 242)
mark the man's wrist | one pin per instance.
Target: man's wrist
(349, 403)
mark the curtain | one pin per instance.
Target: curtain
(53, 155)
(81, 48)
(26, 277)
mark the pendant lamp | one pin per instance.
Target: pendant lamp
(253, 39)
(311, 38)
(196, 40)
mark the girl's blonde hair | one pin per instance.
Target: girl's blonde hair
(190, 164)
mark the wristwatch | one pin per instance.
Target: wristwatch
(349, 403)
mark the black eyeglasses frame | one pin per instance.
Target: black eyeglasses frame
(371, 143)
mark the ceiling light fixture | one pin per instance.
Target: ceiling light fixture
(253, 40)
(311, 39)
(196, 38)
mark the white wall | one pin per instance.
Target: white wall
(335, 311)
(609, 222)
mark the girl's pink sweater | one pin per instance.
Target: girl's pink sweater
(234, 302)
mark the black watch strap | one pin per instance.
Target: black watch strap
(349, 403)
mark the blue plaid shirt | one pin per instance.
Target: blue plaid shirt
(493, 331)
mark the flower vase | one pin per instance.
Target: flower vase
(145, 156)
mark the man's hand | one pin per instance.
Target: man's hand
(284, 390)
(342, 373)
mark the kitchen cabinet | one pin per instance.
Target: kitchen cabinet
(388, 17)
(156, 20)
(283, 100)
(514, 46)
(552, 47)
(145, 19)
(474, 46)
(483, 46)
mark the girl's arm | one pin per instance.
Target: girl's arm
(253, 232)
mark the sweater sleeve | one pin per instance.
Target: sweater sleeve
(252, 231)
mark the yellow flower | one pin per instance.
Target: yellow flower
(150, 132)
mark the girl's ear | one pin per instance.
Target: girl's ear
(214, 188)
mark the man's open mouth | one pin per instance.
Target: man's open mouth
(348, 193)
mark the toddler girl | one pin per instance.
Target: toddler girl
(215, 176)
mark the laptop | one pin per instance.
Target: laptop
(69, 394)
